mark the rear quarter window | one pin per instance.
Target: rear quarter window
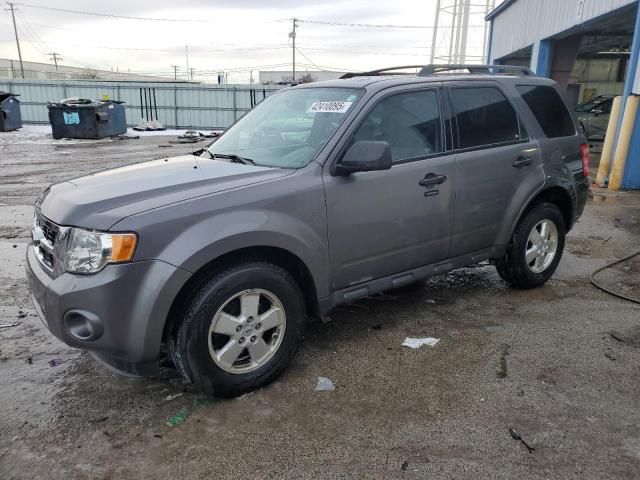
(549, 109)
(484, 117)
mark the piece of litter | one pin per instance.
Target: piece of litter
(203, 402)
(325, 385)
(418, 342)
(516, 436)
(55, 362)
(430, 300)
(168, 398)
(178, 418)
(101, 419)
(8, 325)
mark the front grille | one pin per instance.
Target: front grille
(49, 229)
(45, 243)
(47, 258)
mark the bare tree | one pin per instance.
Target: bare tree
(304, 78)
(88, 74)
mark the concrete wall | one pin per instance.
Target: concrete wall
(10, 69)
(179, 105)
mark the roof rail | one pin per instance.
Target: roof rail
(381, 71)
(481, 69)
(426, 70)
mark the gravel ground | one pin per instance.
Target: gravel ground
(559, 364)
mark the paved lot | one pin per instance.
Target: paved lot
(560, 364)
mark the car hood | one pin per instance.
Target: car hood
(100, 200)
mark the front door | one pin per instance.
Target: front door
(386, 222)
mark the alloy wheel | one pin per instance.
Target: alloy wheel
(246, 332)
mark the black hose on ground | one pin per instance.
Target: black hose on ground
(611, 292)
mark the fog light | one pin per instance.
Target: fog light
(82, 325)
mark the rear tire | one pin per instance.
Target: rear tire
(240, 329)
(535, 249)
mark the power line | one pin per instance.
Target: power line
(366, 25)
(37, 42)
(310, 61)
(109, 15)
(364, 46)
(365, 52)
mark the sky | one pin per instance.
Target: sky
(239, 37)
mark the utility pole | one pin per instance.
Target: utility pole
(186, 53)
(191, 74)
(15, 30)
(485, 37)
(56, 56)
(434, 37)
(462, 49)
(292, 35)
(175, 72)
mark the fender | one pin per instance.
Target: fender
(196, 247)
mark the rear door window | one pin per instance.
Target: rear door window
(484, 116)
(549, 109)
(409, 122)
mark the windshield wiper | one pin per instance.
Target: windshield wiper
(234, 158)
(198, 153)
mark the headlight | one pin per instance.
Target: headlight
(89, 252)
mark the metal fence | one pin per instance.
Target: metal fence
(178, 105)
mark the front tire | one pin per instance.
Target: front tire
(535, 249)
(240, 329)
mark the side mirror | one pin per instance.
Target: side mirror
(365, 156)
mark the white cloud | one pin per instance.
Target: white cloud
(229, 34)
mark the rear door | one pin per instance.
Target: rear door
(498, 165)
(390, 221)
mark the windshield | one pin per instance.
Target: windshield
(289, 128)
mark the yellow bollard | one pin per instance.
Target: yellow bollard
(622, 150)
(609, 141)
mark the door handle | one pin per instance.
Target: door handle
(522, 162)
(432, 179)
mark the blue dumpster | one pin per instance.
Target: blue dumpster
(81, 118)
(10, 107)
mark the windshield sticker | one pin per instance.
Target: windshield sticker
(329, 107)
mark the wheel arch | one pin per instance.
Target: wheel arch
(557, 195)
(278, 256)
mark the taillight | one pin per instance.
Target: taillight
(586, 158)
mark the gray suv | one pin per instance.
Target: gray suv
(323, 194)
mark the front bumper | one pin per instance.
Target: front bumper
(126, 306)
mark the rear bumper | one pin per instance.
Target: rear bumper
(118, 314)
(582, 193)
